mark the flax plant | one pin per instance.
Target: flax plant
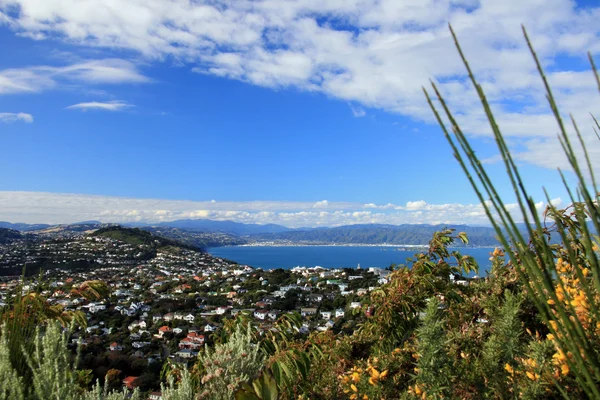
(563, 280)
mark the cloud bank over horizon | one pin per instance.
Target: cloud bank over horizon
(64, 208)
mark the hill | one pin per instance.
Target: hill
(197, 238)
(136, 237)
(378, 234)
(9, 235)
(23, 227)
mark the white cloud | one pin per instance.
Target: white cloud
(14, 117)
(373, 53)
(116, 105)
(40, 78)
(321, 204)
(358, 112)
(40, 207)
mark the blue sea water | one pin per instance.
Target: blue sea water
(286, 257)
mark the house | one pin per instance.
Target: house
(163, 329)
(195, 337)
(189, 318)
(306, 311)
(273, 314)
(326, 315)
(95, 307)
(168, 317)
(339, 313)
(315, 298)
(210, 328)
(114, 346)
(155, 396)
(361, 292)
(221, 310)
(187, 343)
(157, 317)
(355, 304)
(261, 314)
(177, 330)
(185, 353)
(130, 382)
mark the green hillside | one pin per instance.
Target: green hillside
(136, 237)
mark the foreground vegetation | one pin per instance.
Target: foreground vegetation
(529, 329)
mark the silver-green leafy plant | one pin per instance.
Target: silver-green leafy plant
(229, 365)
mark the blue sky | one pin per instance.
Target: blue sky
(297, 113)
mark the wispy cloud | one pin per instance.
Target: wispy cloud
(40, 207)
(358, 112)
(16, 117)
(41, 78)
(116, 105)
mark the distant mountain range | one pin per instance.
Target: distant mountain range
(207, 233)
(378, 234)
(23, 227)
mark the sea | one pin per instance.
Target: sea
(287, 257)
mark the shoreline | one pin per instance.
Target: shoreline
(404, 246)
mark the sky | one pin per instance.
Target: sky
(300, 112)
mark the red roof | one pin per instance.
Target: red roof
(164, 329)
(130, 382)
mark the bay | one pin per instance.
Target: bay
(287, 257)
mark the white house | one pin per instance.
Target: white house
(221, 310)
(326, 315)
(185, 353)
(339, 313)
(261, 314)
(189, 318)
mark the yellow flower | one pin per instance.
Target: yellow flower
(551, 302)
(418, 390)
(373, 381)
(564, 369)
(365, 397)
(383, 374)
(509, 369)
(353, 387)
(355, 377)
(374, 373)
(353, 397)
(530, 375)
